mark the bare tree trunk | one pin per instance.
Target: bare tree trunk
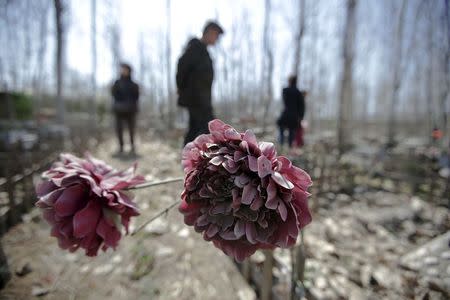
(445, 100)
(42, 48)
(298, 40)
(115, 43)
(267, 66)
(92, 106)
(346, 89)
(430, 79)
(59, 8)
(170, 103)
(397, 79)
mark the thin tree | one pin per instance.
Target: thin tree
(445, 100)
(346, 87)
(59, 9)
(93, 98)
(170, 102)
(299, 38)
(267, 65)
(397, 59)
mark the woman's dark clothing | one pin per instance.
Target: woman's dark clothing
(293, 113)
(125, 107)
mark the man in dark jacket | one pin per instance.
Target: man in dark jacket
(125, 107)
(194, 78)
(294, 110)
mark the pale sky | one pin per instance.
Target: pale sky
(147, 18)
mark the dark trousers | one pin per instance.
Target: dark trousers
(128, 119)
(198, 122)
(291, 135)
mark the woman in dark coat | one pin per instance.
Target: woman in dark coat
(294, 110)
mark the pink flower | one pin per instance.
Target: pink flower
(240, 194)
(85, 202)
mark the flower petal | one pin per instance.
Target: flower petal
(250, 232)
(85, 221)
(248, 194)
(239, 228)
(110, 234)
(282, 181)
(71, 200)
(264, 166)
(282, 210)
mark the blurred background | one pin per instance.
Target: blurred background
(377, 133)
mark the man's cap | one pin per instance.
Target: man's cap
(214, 26)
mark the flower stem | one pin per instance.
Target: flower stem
(162, 212)
(154, 183)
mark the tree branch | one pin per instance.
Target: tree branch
(162, 212)
(154, 183)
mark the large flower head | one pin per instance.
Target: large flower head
(240, 194)
(85, 202)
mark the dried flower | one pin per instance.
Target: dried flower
(85, 202)
(240, 194)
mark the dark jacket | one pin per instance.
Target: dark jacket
(195, 76)
(126, 95)
(294, 108)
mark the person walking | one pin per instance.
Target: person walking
(194, 78)
(125, 93)
(293, 112)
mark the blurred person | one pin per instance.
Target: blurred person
(436, 134)
(299, 140)
(125, 107)
(293, 112)
(195, 75)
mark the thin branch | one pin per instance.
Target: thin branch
(154, 183)
(162, 212)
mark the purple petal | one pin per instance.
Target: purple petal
(85, 221)
(67, 230)
(239, 155)
(109, 233)
(257, 203)
(232, 134)
(202, 220)
(299, 177)
(70, 201)
(271, 190)
(230, 166)
(213, 229)
(301, 205)
(217, 161)
(282, 210)
(241, 180)
(220, 208)
(272, 203)
(282, 181)
(228, 235)
(244, 146)
(264, 166)
(49, 200)
(236, 198)
(250, 138)
(250, 232)
(252, 163)
(44, 188)
(239, 228)
(248, 194)
(267, 149)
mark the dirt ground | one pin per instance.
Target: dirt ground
(166, 260)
